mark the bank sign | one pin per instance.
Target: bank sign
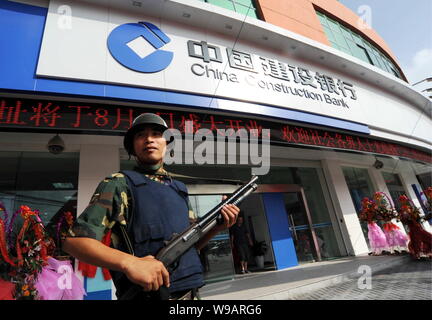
(232, 66)
(119, 44)
(168, 56)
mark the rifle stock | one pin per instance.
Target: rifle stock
(182, 242)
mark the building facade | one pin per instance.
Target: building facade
(321, 93)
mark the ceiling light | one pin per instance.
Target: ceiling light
(186, 15)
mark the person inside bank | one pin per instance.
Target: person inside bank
(140, 209)
(241, 241)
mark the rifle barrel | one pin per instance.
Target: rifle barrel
(230, 200)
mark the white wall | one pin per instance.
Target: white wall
(96, 162)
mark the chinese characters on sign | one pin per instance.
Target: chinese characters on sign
(111, 119)
(44, 114)
(326, 88)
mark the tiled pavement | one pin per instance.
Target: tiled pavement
(393, 277)
(409, 281)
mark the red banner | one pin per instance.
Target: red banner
(116, 119)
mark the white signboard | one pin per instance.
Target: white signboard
(93, 43)
(102, 47)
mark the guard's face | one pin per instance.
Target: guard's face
(150, 145)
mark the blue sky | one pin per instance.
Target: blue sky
(406, 26)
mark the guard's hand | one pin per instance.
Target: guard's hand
(148, 272)
(229, 213)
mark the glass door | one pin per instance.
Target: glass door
(305, 239)
(216, 256)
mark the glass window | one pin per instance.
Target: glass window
(352, 45)
(346, 32)
(340, 40)
(304, 245)
(377, 61)
(366, 53)
(395, 187)
(334, 25)
(425, 179)
(348, 41)
(367, 45)
(360, 53)
(322, 19)
(329, 34)
(40, 180)
(327, 242)
(374, 60)
(360, 186)
(320, 216)
(295, 210)
(245, 7)
(357, 39)
(335, 45)
(322, 227)
(246, 3)
(384, 62)
(246, 10)
(346, 50)
(396, 73)
(222, 3)
(376, 51)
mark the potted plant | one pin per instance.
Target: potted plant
(259, 250)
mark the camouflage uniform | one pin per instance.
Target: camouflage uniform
(111, 204)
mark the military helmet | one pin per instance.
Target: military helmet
(138, 124)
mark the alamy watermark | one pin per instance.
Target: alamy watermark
(365, 280)
(244, 147)
(64, 20)
(364, 21)
(65, 280)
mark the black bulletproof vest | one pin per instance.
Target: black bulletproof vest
(159, 211)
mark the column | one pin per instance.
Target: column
(344, 208)
(409, 180)
(97, 161)
(380, 185)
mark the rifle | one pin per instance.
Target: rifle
(180, 243)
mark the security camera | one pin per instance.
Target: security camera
(378, 164)
(56, 145)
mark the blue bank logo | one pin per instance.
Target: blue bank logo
(137, 46)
